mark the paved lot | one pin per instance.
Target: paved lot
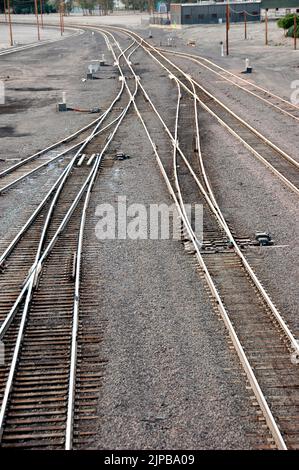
(25, 34)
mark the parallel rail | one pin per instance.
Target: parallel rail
(279, 162)
(35, 429)
(287, 341)
(266, 96)
(42, 326)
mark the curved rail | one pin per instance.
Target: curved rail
(251, 377)
(40, 258)
(72, 380)
(280, 152)
(217, 211)
(199, 59)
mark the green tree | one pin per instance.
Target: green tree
(141, 5)
(105, 6)
(287, 21)
(87, 6)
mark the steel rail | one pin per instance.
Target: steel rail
(8, 250)
(42, 165)
(174, 159)
(40, 259)
(285, 180)
(222, 310)
(294, 344)
(73, 363)
(76, 305)
(4, 256)
(12, 168)
(244, 123)
(42, 204)
(48, 41)
(47, 149)
(35, 272)
(197, 59)
(12, 312)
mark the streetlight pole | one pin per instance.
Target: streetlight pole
(266, 27)
(227, 26)
(60, 16)
(4, 7)
(295, 32)
(37, 22)
(41, 13)
(9, 22)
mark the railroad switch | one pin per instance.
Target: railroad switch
(95, 110)
(263, 238)
(62, 107)
(122, 156)
(248, 68)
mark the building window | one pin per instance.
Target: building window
(214, 15)
(187, 17)
(201, 17)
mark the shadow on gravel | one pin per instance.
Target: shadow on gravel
(32, 89)
(9, 131)
(13, 106)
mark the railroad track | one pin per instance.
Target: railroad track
(262, 340)
(47, 387)
(253, 322)
(16, 173)
(28, 403)
(282, 165)
(266, 96)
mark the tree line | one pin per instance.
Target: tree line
(88, 6)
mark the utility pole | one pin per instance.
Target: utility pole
(60, 17)
(4, 6)
(295, 32)
(37, 21)
(227, 26)
(9, 22)
(266, 27)
(245, 24)
(41, 13)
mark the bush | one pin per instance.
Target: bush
(287, 21)
(290, 32)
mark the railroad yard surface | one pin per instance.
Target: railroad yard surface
(115, 338)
